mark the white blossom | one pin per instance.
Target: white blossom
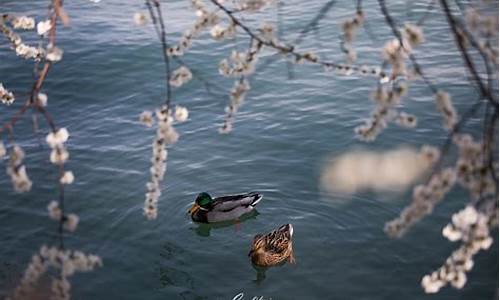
(67, 178)
(472, 228)
(140, 18)
(54, 54)
(17, 171)
(146, 118)
(28, 52)
(6, 96)
(3, 150)
(181, 113)
(218, 32)
(71, 222)
(59, 155)
(425, 197)
(255, 5)
(406, 120)
(42, 99)
(445, 106)
(58, 138)
(19, 178)
(165, 135)
(180, 76)
(350, 28)
(23, 22)
(242, 63)
(204, 20)
(413, 34)
(55, 212)
(43, 27)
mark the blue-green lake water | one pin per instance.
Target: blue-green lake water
(284, 134)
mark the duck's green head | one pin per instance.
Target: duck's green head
(203, 202)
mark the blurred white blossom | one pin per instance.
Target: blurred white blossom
(42, 99)
(146, 118)
(23, 22)
(165, 135)
(68, 262)
(54, 54)
(71, 222)
(180, 76)
(425, 197)
(43, 27)
(413, 34)
(393, 170)
(6, 96)
(445, 106)
(3, 150)
(181, 114)
(17, 170)
(57, 138)
(140, 18)
(55, 212)
(67, 178)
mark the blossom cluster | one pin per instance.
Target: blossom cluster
(43, 27)
(240, 63)
(22, 50)
(67, 261)
(254, 5)
(470, 226)
(204, 20)
(140, 18)
(237, 96)
(16, 169)
(396, 51)
(406, 120)
(6, 96)
(389, 91)
(52, 53)
(425, 197)
(59, 154)
(413, 34)
(472, 170)
(180, 76)
(481, 23)
(350, 28)
(165, 135)
(70, 221)
(386, 97)
(42, 99)
(267, 32)
(446, 108)
(23, 22)
(219, 32)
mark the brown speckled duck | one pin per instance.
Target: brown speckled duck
(273, 248)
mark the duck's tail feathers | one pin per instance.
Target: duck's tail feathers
(256, 199)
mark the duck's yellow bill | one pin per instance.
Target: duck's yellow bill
(194, 208)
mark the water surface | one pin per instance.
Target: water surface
(287, 129)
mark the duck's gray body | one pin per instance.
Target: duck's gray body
(227, 208)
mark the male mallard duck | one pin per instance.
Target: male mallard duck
(273, 248)
(226, 208)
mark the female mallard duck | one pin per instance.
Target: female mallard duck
(208, 210)
(273, 248)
